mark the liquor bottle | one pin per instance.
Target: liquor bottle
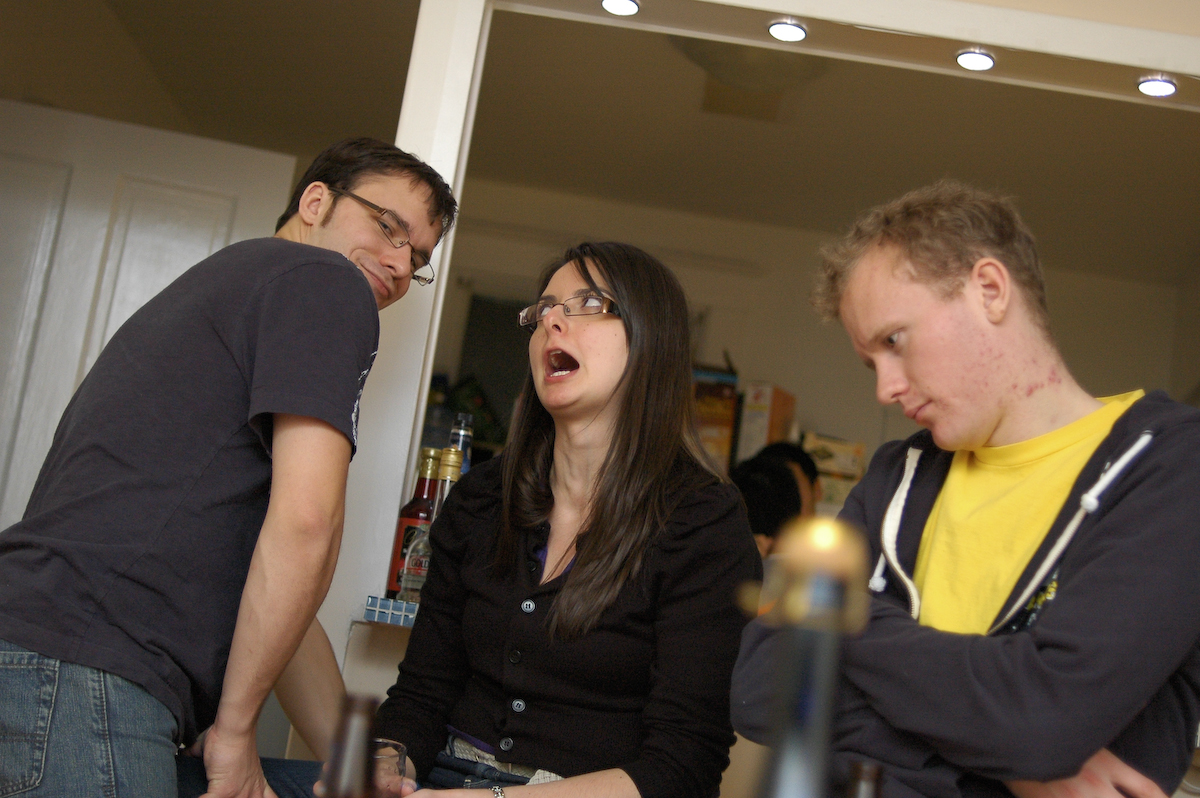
(449, 470)
(416, 559)
(461, 435)
(414, 517)
(864, 780)
(350, 773)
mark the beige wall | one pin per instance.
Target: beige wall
(1169, 16)
(1185, 367)
(752, 283)
(76, 55)
(1116, 335)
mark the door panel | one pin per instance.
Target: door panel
(157, 229)
(36, 193)
(99, 216)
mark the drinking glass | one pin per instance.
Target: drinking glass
(388, 756)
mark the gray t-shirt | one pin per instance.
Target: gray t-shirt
(136, 541)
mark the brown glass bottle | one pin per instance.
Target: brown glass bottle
(351, 771)
(864, 780)
(414, 517)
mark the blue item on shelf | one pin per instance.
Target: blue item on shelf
(390, 611)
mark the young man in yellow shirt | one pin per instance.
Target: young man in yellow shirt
(1036, 611)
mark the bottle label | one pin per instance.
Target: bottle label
(419, 565)
(415, 571)
(410, 527)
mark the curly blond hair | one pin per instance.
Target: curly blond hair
(942, 229)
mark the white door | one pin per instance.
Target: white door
(95, 218)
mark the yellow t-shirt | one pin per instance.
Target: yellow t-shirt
(996, 506)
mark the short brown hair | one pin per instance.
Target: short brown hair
(344, 165)
(942, 229)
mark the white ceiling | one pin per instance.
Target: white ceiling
(780, 136)
(1110, 187)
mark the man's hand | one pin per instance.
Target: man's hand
(1102, 776)
(233, 767)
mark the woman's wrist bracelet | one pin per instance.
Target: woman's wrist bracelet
(497, 792)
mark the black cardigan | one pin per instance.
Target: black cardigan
(646, 690)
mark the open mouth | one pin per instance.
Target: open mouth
(560, 363)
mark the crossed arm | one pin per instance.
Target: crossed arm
(1102, 776)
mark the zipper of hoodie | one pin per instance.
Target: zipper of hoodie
(1089, 503)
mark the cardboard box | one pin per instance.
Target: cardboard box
(767, 413)
(834, 490)
(716, 415)
(836, 456)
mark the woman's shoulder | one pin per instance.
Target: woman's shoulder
(707, 532)
(704, 506)
(476, 495)
(481, 480)
(705, 501)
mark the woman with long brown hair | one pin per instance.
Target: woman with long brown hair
(577, 629)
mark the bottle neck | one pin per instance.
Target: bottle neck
(443, 487)
(427, 488)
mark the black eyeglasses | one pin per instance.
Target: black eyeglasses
(397, 235)
(582, 305)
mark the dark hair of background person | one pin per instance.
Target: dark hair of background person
(655, 436)
(943, 230)
(344, 165)
(770, 492)
(791, 453)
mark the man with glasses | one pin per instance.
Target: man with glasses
(184, 528)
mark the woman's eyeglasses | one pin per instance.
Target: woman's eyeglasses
(583, 305)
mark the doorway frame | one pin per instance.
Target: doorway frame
(436, 121)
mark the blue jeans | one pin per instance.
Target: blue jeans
(289, 778)
(71, 730)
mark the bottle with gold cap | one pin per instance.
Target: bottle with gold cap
(416, 559)
(414, 517)
(449, 470)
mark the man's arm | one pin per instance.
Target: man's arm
(311, 690)
(290, 572)
(1103, 776)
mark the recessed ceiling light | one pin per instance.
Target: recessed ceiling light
(1157, 86)
(787, 30)
(976, 60)
(621, 8)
